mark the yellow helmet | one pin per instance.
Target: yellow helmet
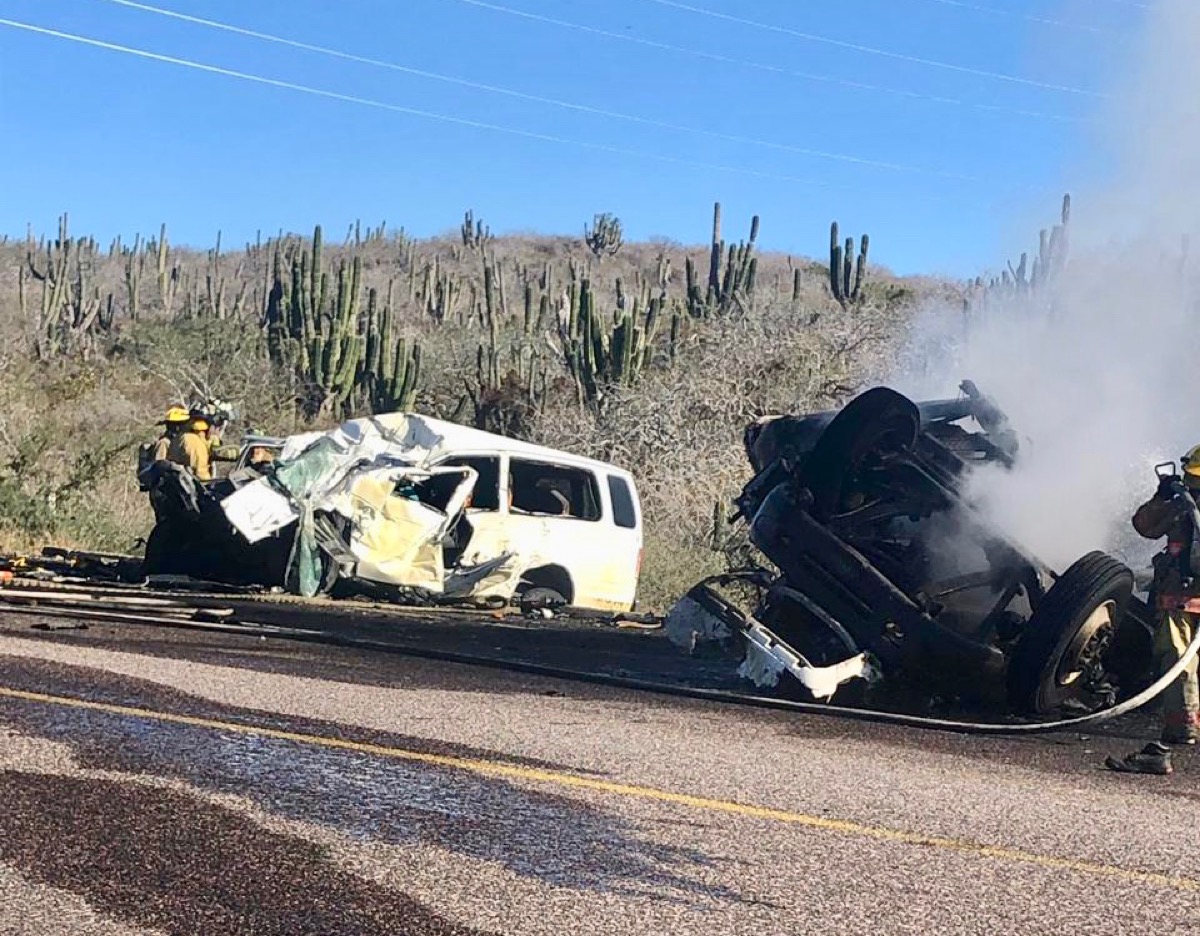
(176, 414)
(1191, 467)
(199, 425)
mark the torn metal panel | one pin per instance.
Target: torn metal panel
(690, 623)
(767, 657)
(258, 510)
(374, 474)
(702, 617)
(396, 539)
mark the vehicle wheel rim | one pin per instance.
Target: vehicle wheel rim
(1087, 646)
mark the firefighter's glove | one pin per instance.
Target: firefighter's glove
(1168, 487)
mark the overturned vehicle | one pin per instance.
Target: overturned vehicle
(407, 508)
(888, 583)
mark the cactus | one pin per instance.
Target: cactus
(605, 235)
(1024, 280)
(729, 291)
(135, 268)
(1052, 249)
(440, 292)
(474, 234)
(600, 356)
(168, 275)
(345, 359)
(214, 284)
(72, 309)
(715, 251)
(391, 368)
(846, 272)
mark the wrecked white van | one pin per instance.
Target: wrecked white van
(412, 503)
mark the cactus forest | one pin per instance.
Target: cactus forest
(651, 354)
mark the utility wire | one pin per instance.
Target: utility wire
(1029, 17)
(761, 66)
(539, 99)
(399, 109)
(871, 50)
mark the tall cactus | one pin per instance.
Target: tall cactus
(847, 273)
(605, 236)
(344, 358)
(1026, 281)
(600, 355)
(732, 290)
(474, 233)
(72, 309)
(390, 369)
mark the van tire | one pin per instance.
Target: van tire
(539, 597)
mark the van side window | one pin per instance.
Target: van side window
(486, 495)
(624, 513)
(557, 490)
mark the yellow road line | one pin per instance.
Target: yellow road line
(558, 778)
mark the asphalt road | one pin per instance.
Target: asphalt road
(172, 782)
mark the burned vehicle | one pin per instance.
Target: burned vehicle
(888, 579)
(404, 507)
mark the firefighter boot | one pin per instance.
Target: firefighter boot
(1154, 758)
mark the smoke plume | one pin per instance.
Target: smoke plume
(1099, 372)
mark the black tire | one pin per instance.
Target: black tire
(538, 597)
(877, 422)
(1043, 669)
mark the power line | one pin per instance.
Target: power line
(399, 109)
(539, 99)
(871, 50)
(760, 66)
(1029, 17)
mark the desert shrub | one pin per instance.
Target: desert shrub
(69, 425)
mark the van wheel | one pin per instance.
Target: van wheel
(1061, 653)
(539, 597)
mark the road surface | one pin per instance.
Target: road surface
(172, 782)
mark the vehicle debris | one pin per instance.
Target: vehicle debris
(889, 578)
(409, 508)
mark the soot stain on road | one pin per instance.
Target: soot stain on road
(99, 685)
(164, 860)
(560, 841)
(637, 654)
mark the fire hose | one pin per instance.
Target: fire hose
(624, 682)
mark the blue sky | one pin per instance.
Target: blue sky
(943, 186)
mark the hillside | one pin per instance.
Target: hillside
(643, 353)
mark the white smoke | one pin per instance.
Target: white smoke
(1099, 374)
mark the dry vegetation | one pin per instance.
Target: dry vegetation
(587, 344)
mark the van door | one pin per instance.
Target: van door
(568, 507)
(485, 534)
(624, 512)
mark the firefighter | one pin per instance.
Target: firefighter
(190, 449)
(150, 452)
(174, 423)
(217, 414)
(1176, 594)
